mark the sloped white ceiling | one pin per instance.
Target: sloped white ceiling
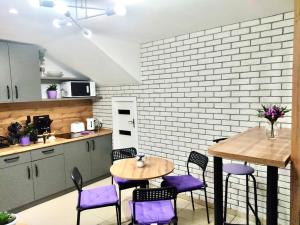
(111, 57)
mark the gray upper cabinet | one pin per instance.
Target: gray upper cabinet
(5, 83)
(101, 155)
(77, 154)
(25, 74)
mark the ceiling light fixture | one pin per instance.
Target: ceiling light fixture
(57, 23)
(60, 7)
(13, 11)
(87, 33)
(34, 3)
(120, 9)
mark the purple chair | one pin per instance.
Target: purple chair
(240, 170)
(94, 198)
(154, 206)
(187, 182)
(123, 184)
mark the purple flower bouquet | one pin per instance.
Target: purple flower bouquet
(272, 113)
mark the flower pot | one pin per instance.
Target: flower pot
(52, 94)
(13, 222)
(25, 140)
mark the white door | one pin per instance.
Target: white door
(124, 114)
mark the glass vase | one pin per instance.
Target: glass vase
(272, 130)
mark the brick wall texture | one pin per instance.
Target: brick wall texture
(204, 85)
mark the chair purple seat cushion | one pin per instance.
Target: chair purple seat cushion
(101, 196)
(184, 183)
(159, 212)
(238, 169)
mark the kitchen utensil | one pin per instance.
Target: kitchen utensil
(90, 124)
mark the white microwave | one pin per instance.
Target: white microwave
(71, 89)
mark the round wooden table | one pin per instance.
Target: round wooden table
(154, 167)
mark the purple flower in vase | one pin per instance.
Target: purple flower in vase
(272, 113)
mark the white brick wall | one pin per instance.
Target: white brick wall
(208, 84)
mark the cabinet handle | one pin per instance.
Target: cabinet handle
(36, 170)
(17, 92)
(48, 151)
(11, 160)
(88, 146)
(93, 141)
(28, 172)
(8, 92)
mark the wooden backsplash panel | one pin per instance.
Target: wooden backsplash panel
(63, 113)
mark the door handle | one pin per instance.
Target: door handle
(17, 92)
(8, 92)
(36, 170)
(88, 146)
(28, 172)
(132, 122)
(11, 160)
(48, 151)
(93, 141)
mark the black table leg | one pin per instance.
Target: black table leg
(272, 195)
(218, 190)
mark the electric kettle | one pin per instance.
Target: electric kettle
(90, 124)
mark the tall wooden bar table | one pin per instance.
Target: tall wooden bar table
(252, 146)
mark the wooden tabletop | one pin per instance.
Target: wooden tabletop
(253, 146)
(14, 149)
(154, 167)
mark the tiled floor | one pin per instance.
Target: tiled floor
(62, 211)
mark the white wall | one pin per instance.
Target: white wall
(200, 86)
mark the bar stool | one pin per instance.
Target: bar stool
(241, 170)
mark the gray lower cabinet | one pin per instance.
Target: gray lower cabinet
(49, 176)
(91, 156)
(16, 181)
(30, 176)
(101, 155)
(77, 154)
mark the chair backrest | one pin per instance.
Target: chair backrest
(154, 194)
(77, 178)
(123, 153)
(198, 159)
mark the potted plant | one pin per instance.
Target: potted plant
(272, 113)
(7, 218)
(25, 134)
(52, 91)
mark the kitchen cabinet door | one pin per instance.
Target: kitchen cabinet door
(25, 73)
(101, 155)
(49, 176)
(5, 83)
(77, 154)
(16, 186)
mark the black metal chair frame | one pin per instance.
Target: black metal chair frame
(77, 180)
(154, 194)
(126, 153)
(201, 161)
(248, 204)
